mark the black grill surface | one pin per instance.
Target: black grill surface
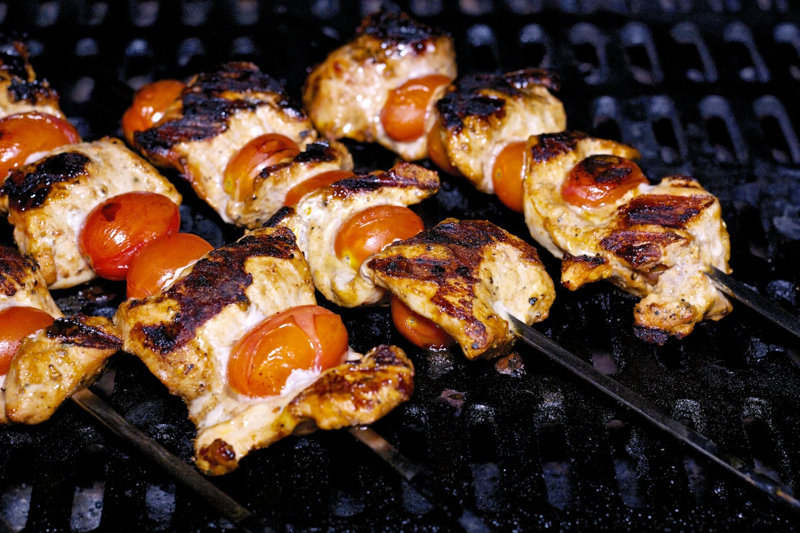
(702, 87)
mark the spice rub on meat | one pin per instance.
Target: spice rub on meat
(20, 91)
(347, 92)
(654, 241)
(186, 333)
(216, 115)
(50, 199)
(467, 277)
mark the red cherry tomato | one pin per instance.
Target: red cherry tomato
(600, 180)
(371, 230)
(25, 134)
(160, 259)
(116, 230)
(256, 155)
(420, 331)
(306, 337)
(403, 116)
(436, 149)
(16, 323)
(507, 176)
(149, 105)
(312, 184)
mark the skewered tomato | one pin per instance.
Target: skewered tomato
(25, 134)
(436, 150)
(116, 230)
(260, 153)
(160, 259)
(149, 105)
(16, 323)
(403, 116)
(420, 331)
(600, 180)
(306, 337)
(507, 175)
(371, 230)
(312, 184)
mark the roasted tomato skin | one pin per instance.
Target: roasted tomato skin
(160, 259)
(507, 175)
(403, 116)
(371, 230)
(601, 179)
(16, 323)
(116, 230)
(259, 153)
(306, 337)
(417, 329)
(25, 134)
(436, 150)
(149, 105)
(313, 183)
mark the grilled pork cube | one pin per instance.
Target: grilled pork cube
(467, 277)
(482, 114)
(346, 93)
(20, 91)
(186, 333)
(216, 115)
(50, 199)
(654, 241)
(318, 217)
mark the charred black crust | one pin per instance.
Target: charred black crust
(30, 186)
(216, 281)
(316, 152)
(664, 210)
(14, 268)
(279, 216)
(639, 248)
(605, 168)
(74, 331)
(650, 334)
(396, 27)
(552, 145)
(592, 261)
(402, 175)
(15, 67)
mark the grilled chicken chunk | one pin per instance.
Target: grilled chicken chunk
(185, 335)
(317, 218)
(467, 277)
(21, 283)
(217, 114)
(20, 91)
(346, 93)
(482, 114)
(49, 201)
(655, 241)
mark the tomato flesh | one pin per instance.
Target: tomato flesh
(306, 337)
(507, 176)
(436, 150)
(403, 115)
(313, 183)
(149, 105)
(25, 134)
(419, 330)
(601, 179)
(16, 323)
(258, 154)
(371, 230)
(160, 259)
(116, 230)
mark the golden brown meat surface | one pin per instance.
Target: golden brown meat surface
(20, 91)
(345, 94)
(49, 201)
(216, 115)
(482, 114)
(655, 241)
(21, 283)
(467, 277)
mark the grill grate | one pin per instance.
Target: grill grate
(706, 88)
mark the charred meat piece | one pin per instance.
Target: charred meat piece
(21, 283)
(20, 91)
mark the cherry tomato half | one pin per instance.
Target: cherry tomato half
(600, 180)
(25, 134)
(16, 323)
(313, 183)
(507, 175)
(149, 105)
(116, 230)
(436, 150)
(403, 116)
(258, 154)
(306, 337)
(160, 259)
(419, 331)
(371, 230)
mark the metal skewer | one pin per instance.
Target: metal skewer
(776, 491)
(754, 301)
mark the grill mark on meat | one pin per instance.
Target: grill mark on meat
(74, 331)
(397, 28)
(279, 216)
(319, 151)
(552, 145)
(605, 168)
(639, 248)
(402, 175)
(653, 335)
(23, 85)
(14, 267)
(588, 260)
(218, 280)
(663, 210)
(28, 188)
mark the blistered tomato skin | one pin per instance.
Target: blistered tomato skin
(403, 116)
(149, 105)
(116, 230)
(258, 154)
(25, 134)
(306, 337)
(600, 180)
(16, 323)
(507, 176)
(417, 329)
(310, 185)
(160, 259)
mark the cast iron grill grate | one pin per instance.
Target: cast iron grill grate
(706, 88)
